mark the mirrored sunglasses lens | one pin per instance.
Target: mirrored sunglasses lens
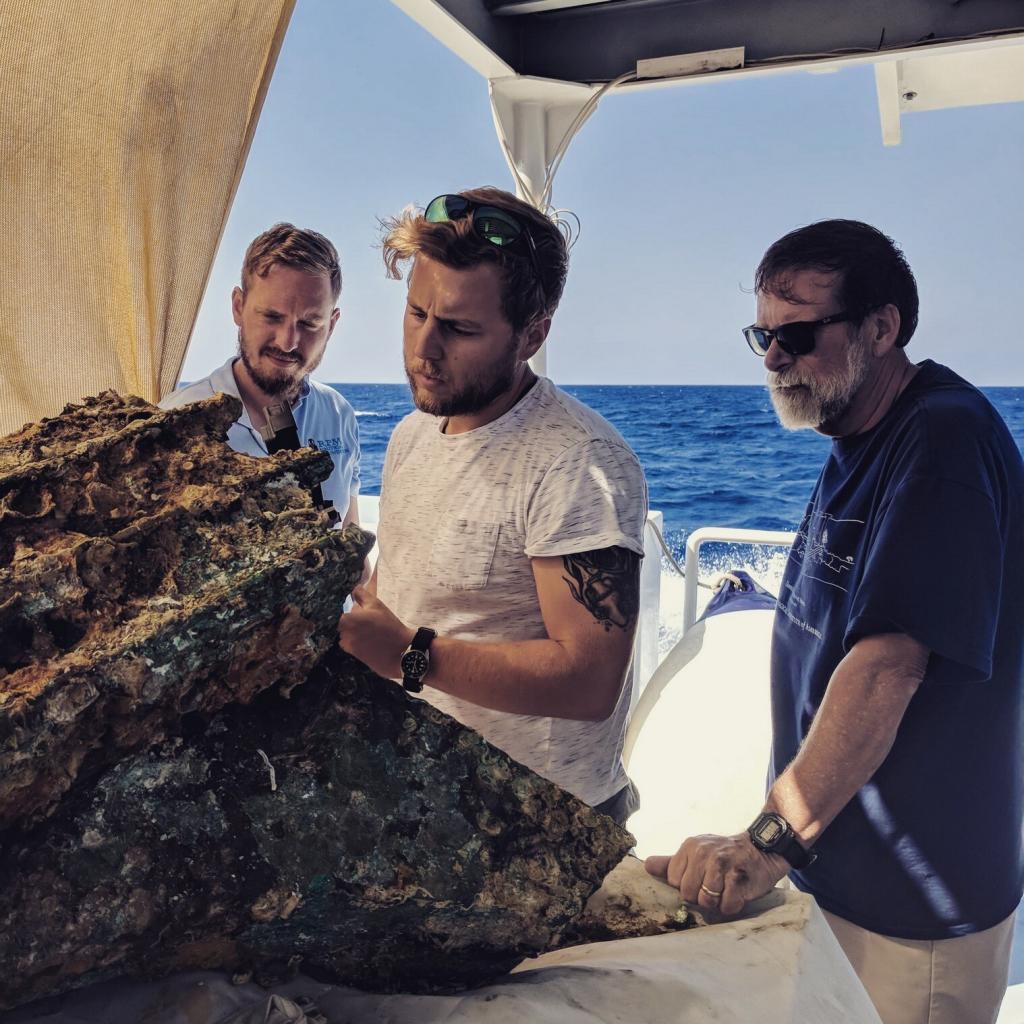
(758, 340)
(445, 208)
(495, 225)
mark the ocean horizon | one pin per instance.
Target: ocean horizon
(714, 455)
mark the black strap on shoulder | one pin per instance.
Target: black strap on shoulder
(281, 433)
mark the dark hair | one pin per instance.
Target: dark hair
(874, 272)
(528, 294)
(289, 246)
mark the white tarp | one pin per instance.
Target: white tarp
(780, 966)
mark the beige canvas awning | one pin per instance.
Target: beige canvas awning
(124, 127)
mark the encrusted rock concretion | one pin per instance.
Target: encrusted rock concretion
(147, 571)
(351, 831)
(171, 796)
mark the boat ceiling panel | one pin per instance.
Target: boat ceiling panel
(963, 79)
(595, 41)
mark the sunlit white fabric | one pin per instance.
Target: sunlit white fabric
(123, 131)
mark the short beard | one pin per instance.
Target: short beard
(819, 400)
(272, 385)
(475, 396)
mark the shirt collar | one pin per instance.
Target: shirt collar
(223, 379)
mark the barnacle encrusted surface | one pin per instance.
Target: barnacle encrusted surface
(171, 797)
(351, 831)
(146, 571)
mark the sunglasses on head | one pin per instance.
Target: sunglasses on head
(796, 339)
(497, 226)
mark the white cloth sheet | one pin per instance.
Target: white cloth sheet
(780, 966)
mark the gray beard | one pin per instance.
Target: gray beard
(820, 401)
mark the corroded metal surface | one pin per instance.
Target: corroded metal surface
(351, 830)
(171, 797)
(146, 570)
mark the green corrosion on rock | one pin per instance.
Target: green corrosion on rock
(147, 571)
(192, 774)
(348, 829)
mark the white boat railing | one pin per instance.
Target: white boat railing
(646, 654)
(691, 642)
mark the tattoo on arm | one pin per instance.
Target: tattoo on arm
(607, 584)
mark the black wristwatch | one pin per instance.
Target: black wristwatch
(416, 659)
(772, 834)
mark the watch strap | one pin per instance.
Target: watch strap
(786, 845)
(413, 682)
(795, 852)
(423, 638)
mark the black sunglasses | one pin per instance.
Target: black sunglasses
(497, 226)
(797, 339)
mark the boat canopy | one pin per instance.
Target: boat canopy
(124, 128)
(542, 56)
(595, 41)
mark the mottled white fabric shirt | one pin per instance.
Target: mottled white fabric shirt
(460, 518)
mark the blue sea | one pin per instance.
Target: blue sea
(714, 456)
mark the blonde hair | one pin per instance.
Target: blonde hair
(529, 293)
(290, 246)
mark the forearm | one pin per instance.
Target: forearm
(852, 732)
(352, 512)
(588, 602)
(527, 677)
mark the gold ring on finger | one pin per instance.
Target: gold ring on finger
(710, 892)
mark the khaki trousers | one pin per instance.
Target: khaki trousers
(948, 981)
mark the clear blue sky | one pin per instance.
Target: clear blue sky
(678, 190)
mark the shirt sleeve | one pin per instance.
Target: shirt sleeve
(593, 496)
(357, 454)
(933, 571)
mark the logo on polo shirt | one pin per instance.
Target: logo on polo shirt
(327, 444)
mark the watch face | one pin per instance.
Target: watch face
(768, 831)
(414, 664)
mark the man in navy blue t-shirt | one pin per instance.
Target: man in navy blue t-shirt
(898, 649)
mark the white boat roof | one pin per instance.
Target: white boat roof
(931, 55)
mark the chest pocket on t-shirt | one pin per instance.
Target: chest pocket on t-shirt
(462, 553)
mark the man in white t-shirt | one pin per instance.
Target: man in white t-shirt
(511, 515)
(286, 309)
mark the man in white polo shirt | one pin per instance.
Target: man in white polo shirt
(286, 309)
